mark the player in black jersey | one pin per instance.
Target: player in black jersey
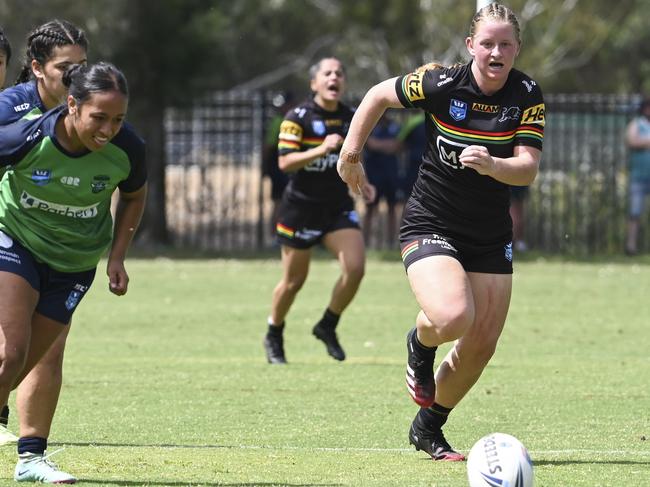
(316, 207)
(484, 124)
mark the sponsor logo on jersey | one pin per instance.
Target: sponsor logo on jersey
(318, 126)
(70, 181)
(449, 151)
(336, 122)
(510, 113)
(300, 112)
(28, 202)
(529, 84)
(41, 176)
(22, 107)
(290, 131)
(34, 136)
(457, 109)
(322, 164)
(482, 107)
(99, 183)
(534, 114)
(413, 87)
(444, 80)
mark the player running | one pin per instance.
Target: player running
(484, 123)
(316, 208)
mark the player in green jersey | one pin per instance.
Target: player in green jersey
(55, 224)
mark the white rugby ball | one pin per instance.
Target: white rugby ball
(499, 460)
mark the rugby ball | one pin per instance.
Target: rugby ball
(499, 460)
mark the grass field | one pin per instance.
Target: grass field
(169, 386)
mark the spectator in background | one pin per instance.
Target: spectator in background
(5, 56)
(282, 102)
(413, 136)
(518, 197)
(382, 169)
(637, 137)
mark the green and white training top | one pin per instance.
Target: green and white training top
(57, 204)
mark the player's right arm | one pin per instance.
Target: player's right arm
(372, 107)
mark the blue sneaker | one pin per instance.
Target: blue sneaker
(32, 467)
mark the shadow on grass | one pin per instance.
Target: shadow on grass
(210, 484)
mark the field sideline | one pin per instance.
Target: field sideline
(168, 386)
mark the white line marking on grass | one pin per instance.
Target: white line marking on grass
(533, 453)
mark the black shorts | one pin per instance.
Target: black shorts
(420, 238)
(59, 292)
(302, 225)
(473, 258)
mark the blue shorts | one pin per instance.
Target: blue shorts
(638, 192)
(60, 292)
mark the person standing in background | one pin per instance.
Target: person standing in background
(5, 57)
(637, 137)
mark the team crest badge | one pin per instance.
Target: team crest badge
(457, 109)
(41, 176)
(99, 183)
(73, 300)
(319, 127)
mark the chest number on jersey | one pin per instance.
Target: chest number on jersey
(449, 152)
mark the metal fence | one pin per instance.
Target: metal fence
(218, 200)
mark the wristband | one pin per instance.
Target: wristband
(350, 157)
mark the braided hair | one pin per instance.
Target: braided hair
(43, 39)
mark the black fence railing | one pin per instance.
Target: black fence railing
(217, 198)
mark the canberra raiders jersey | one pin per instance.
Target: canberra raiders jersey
(461, 202)
(20, 101)
(57, 204)
(303, 128)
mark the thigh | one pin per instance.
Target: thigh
(441, 287)
(295, 263)
(347, 246)
(491, 300)
(17, 303)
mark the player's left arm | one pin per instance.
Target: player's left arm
(130, 207)
(518, 170)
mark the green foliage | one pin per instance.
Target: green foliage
(168, 385)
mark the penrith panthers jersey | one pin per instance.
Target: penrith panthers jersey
(462, 203)
(303, 128)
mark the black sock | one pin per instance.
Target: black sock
(422, 350)
(32, 444)
(329, 320)
(276, 330)
(434, 417)
(4, 416)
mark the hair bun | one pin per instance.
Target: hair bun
(69, 74)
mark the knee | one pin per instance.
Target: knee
(11, 364)
(293, 284)
(477, 349)
(449, 323)
(355, 272)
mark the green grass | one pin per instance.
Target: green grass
(169, 385)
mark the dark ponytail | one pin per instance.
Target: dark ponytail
(43, 39)
(84, 80)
